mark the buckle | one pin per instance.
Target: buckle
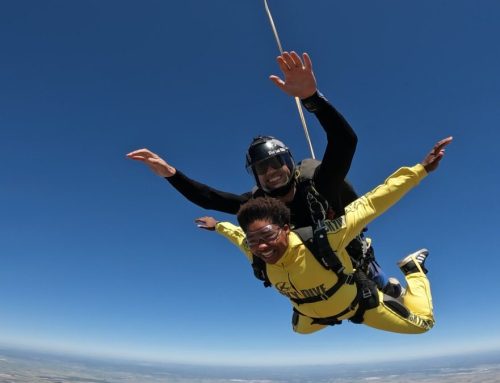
(340, 270)
(350, 279)
(366, 293)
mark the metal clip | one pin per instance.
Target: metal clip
(366, 293)
(350, 279)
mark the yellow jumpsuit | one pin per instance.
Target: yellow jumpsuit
(298, 274)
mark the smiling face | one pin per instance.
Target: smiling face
(272, 173)
(267, 240)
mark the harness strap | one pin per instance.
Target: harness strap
(324, 253)
(259, 270)
(366, 299)
(317, 204)
(359, 251)
(332, 320)
(367, 296)
(344, 279)
(320, 248)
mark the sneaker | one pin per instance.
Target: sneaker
(393, 288)
(414, 263)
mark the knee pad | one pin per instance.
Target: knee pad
(396, 306)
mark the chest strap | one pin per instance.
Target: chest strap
(332, 320)
(344, 279)
(318, 245)
(366, 299)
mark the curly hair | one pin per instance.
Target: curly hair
(263, 208)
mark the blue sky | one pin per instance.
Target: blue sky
(98, 255)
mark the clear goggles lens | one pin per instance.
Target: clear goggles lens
(267, 234)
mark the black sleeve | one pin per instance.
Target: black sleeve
(341, 146)
(205, 196)
(347, 193)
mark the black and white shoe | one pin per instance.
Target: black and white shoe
(414, 262)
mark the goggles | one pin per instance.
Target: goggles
(267, 235)
(275, 162)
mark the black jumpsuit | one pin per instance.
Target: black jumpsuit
(328, 178)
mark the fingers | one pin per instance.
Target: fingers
(145, 155)
(295, 59)
(138, 158)
(203, 220)
(289, 61)
(439, 148)
(283, 64)
(140, 154)
(140, 151)
(277, 81)
(432, 160)
(444, 142)
(307, 61)
(292, 59)
(286, 61)
(206, 223)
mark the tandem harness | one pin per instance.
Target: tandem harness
(317, 243)
(323, 207)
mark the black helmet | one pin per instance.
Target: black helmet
(263, 148)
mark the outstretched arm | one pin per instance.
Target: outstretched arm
(377, 201)
(299, 81)
(196, 192)
(232, 232)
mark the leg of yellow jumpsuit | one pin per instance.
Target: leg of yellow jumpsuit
(417, 300)
(305, 326)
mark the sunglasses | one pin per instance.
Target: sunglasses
(268, 234)
(273, 162)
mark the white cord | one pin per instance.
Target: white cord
(297, 100)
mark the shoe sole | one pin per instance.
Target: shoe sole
(418, 258)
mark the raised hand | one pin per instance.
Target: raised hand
(299, 78)
(431, 161)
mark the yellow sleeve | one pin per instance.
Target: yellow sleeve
(365, 209)
(235, 235)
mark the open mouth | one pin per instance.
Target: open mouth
(267, 254)
(277, 180)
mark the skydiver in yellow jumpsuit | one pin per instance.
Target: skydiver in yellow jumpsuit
(293, 270)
